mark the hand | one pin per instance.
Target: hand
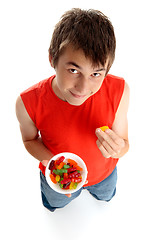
(109, 143)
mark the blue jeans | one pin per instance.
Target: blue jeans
(104, 191)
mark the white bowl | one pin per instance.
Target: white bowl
(79, 161)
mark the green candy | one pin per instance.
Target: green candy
(75, 185)
(55, 171)
(66, 166)
(60, 171)
(61, 185)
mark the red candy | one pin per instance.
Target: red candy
(60, 160)
(72, 169)
(51, 165)
(74, 174)
(65, 181)
(66, 186)
(77, 180)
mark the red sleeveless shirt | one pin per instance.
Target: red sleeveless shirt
(68, 128)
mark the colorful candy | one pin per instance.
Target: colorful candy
(76, 180)
(104, 128)
(60, 160)
(57, 178)
(53, 178)
(71, 185)
(51, 165)
(67, 174)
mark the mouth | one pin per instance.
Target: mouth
(77, 95)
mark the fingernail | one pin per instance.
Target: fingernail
(108, 130)
(98, 130)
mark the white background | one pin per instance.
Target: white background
(134, 213)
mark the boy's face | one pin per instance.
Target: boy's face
(76, 78)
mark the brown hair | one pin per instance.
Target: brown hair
(89, 30)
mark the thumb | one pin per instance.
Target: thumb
(68, 195)
(86, 182)
(45, 162)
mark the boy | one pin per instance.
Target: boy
(64, 112)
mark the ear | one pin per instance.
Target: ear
(51, 60)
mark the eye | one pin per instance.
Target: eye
(96, 74)
(72, 70)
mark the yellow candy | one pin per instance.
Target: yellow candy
(104, 128)
(71, 185)
(57, 178)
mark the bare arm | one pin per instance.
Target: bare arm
(32, 142)
(114, 142)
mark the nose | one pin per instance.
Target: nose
(82, 85)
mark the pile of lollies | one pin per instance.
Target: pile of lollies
(67, 174)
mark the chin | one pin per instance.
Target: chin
(76, 102)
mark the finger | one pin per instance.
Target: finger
(103, 150)
(86, 182)
(106, 147)
(103, 136)
(45, 162)
(68, 195)
(119, 141)
(107, 142)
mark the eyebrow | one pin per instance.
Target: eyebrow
(74, 64)
(77, 66)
